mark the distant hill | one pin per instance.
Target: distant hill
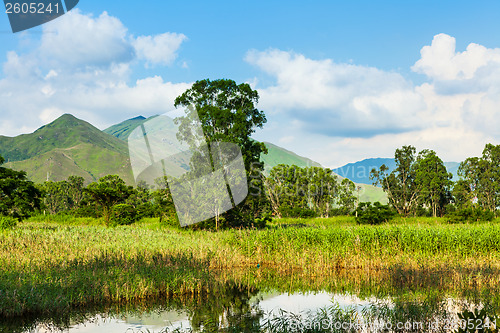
(359, 172)
(67, 146)
(70, 146)
(123, 129)
(276, 155)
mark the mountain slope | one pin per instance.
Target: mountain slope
(276, 155)
(123, 129)
(65, 132)
(67, 146)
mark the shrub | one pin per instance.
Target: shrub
(261, 222)
(339, 211)
(7, 222)
(469, 215)
(123, 214)
(304, 213)
(376, 214)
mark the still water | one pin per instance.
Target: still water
(242, 310)
(269, 304)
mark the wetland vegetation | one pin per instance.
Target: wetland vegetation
(53, 267)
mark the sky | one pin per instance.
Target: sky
(339, 81)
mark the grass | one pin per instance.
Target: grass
(54, 264)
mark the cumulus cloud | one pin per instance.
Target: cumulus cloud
(77, 40)
(440, 61)
(355, 112)
(338, 99)
(159, 49)
(82, 65)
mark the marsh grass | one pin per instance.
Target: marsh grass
(55, 265)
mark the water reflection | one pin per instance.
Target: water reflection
(239, 308)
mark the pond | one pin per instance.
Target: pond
(244, 309)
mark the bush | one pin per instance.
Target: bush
(376, 214)
(7, 222)
(123, 214)
(340, 211)
(261, 222)
(469, 215)
(297, 212)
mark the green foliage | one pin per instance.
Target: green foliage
(18, 196)
(477, 321)
(123, 214)
(415, 182)
(227, 112)
(109, 191)
(311, 191)
(481, 179)
(373, 214)
(62, 196)
(261, 222)
(470, 214)
(433, 182)
(7, 222)
(297, 212)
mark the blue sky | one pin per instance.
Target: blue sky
(339, 81)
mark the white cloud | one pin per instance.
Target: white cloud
(76, 40)
(159, 49)
(440, 61)
(344, 112)
(82, 65)
(338, 99)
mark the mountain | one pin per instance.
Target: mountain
(359, 172)
(123, 129)
(67, 146)
(70, 146)
(276, 155)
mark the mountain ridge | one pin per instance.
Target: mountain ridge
(71, 146)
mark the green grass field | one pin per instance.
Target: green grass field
(53, 264)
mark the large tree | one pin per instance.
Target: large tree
(432, 181)
(107, 192)
(400, 183)
(418, 180)
(481, 178)
(62, 196)
(312, 188)
(227, 112)
(18, 196)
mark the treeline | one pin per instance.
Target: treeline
(289, 191)
(421, 185)
(292, 191)
(109, 198)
